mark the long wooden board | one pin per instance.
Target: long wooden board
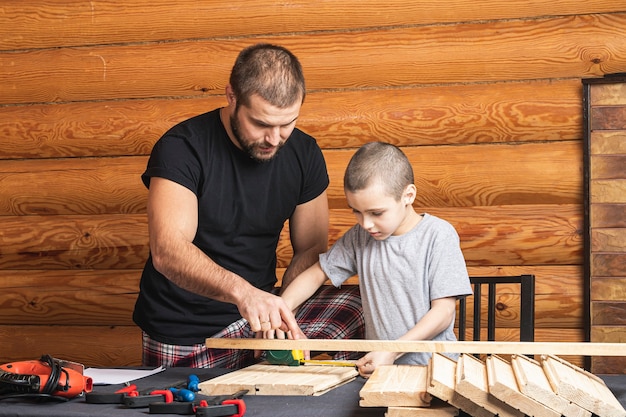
(397, 386)
(364, 345)
(264, 379)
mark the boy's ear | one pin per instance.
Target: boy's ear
(410, 192)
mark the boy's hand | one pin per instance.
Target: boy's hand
(368, 363)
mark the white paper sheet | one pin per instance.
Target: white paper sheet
(110, 376)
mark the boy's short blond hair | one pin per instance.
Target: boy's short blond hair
(379, 161)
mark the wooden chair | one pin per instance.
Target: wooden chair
(527, 306)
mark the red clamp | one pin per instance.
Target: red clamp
(241, 406)
(204, 409)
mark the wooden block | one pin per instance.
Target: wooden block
(441, 383)
(581, 387)
(437, 408)
(471, 382)
(396, 385)
(532, 381)
(264, 379)
(503, 385)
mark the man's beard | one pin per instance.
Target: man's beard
(250, 148)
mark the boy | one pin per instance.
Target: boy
(410, 266)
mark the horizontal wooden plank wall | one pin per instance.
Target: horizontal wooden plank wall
(484, 97)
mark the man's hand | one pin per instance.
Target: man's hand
(265, 311)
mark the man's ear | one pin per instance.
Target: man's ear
(230, 95)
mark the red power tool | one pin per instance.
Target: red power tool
(47, 377)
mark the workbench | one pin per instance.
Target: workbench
(342, 401)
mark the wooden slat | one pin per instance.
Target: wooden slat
(608, 118)
(608, 265)
(396, 385)
(503, 235)
(362, 345)
(608, 191)
(99, 346)
(100, 298)
(608, 313)
(472, 52)
(607, 143)
(483, 176)
(503, 385)
(608, 166)
(609, 240)
(608, 334)
(608, 289)
(120, 241)
(445, 177)
(608, 215)
(471, 382)
(74, 242)
(38, 24)
(610, 94)
(536, 111)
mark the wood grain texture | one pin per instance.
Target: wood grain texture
(396, 386)
(610, 94)
(445, 177)
(608, 313)
(460, 53)
(422, 115)
(608, 118)
(608, 289)
(609, 240)
(608, 215)
(607, 143)
(40, 24)
(101, 346)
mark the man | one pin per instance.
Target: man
(221, 186)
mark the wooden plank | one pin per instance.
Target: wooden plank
(608, 118)
(40, 297)
(75, 242)
(606, 365)
(608, 166)
(608, 334)
(607, 143)
(265, 379)
(608, 215)
(437, 408)
(608, 191)
(608, 240)
(581, 387)
(396, 386)
(608, 289)
(608, 264)
(447, 177)
(503, 385)
(457, 176)
(39, 24)
(354, 345)
(533, 382)
(460, 53)
(610, 94)
(413, 116)
(608, 313)
(471, 382)
(120, 241)
(97, 346)
(442, 383)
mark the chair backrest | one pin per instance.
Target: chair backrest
(527, 306)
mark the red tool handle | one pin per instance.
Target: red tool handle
(127, 389)
(241, 406)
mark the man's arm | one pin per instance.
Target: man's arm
(308, 231)
(172, 223)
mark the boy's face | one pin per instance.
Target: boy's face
(379, 213)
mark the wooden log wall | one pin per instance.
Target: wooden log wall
(484, 96)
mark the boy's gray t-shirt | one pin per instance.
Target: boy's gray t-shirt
(399, 276)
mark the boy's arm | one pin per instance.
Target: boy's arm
(304, 286)
(441, 314)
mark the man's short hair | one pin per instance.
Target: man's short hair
(270, 71)
(379, 161)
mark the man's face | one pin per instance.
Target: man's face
(261, 129)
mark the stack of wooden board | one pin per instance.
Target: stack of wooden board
(546, 387)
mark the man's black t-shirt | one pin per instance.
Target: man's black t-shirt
(242, 207)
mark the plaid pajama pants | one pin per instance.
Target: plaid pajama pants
(332, 313)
